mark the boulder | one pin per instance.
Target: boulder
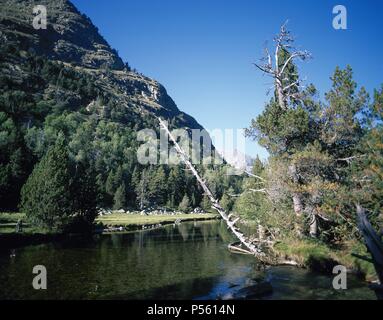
(258, 290)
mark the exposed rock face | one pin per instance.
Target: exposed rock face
(71, 38)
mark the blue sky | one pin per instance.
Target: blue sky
(202, 50)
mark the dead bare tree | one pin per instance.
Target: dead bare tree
(255, 176)
(287, 86)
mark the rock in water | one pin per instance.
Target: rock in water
(255, 291)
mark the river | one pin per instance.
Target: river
(187, 261)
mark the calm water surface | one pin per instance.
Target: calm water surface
(188, 261)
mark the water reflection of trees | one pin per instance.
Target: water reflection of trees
(183, 258)
(176, 256)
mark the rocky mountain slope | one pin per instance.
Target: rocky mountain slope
(71, 38)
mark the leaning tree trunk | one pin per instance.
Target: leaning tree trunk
(281, 96)
(297, 198)
(253, 248)
(313, 224)
(374, 245)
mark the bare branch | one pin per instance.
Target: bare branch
(269, 58)
(235, 195)
(259, 190)
(299, 54)
(265, 69)
(349, 159)
(254, 176)
(295, 83)
(323, 217)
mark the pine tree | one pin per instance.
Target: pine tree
(142, 190)
(258, 167)
(13, 163)
(110, 184)
(227, 202)
(136, 177)
(120, 197)
(84, 193)
(205, 203)
(119, 177)
(158, 186)
(46, 196)
(342, 129)
(175, 186)
(367, 166)
(184, 206)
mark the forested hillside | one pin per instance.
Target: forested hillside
(65, 89)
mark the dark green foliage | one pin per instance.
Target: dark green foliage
(341, 129)
(46, 198)
(227, 201)
(14, 163)
(184, 205)
(142, 190)
(158, 186)
(56, 199)
(367, 170)
(206, 203)
(83, 197)
(120, 197)
(176, 186)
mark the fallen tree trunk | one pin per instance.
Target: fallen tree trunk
(254, 249)
(236, 248)
(374, 245)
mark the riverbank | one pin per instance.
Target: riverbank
(8, 223)
(137, 221)
(30, 235)
(113, 222)
(319, 257)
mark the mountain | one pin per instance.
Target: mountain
(65, 81)
(238, 159)
(71, 38)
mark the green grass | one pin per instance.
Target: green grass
(8, 222)
(6, 217)
(318, 256)
(118, 219)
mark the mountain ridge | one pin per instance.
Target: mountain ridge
(72, 38)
